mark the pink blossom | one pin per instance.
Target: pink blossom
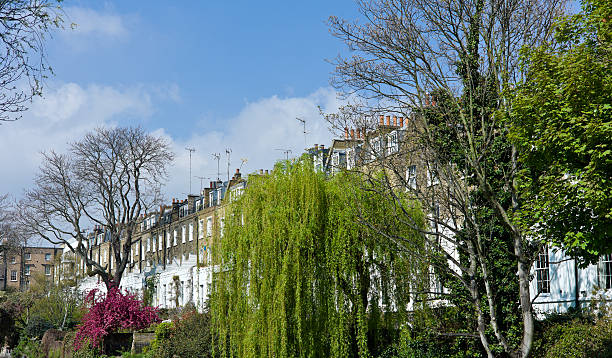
(112, 312)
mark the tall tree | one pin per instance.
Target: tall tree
(24, 24)
(108, 178)
(300, 277)
(561, 121)
(445, 65)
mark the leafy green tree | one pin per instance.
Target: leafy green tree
(561, 121)
(300, 276)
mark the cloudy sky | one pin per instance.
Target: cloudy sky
(207, 74)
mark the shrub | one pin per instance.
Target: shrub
(27, 347)
(189, 336)
(36, 327)
(110, 313)
(577, 338)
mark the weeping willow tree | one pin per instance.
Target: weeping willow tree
(301, 276)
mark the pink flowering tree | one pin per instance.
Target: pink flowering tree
(111, 312)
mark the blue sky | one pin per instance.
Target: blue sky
(211, 75)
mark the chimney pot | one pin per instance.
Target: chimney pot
(401, 121)
(346, 132)
(395, 121)
(382, 120)
(388, 120)
(352, 134)
(358, 133)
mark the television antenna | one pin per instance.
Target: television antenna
(217, 157)
(190, 150)
(228, 152)
(286, 151)
(201, 179)
(304, 126)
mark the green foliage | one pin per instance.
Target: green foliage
(36, 327)
(162, 335)
(27, 347)
(561, 121)
(188, 337)
(579, 337)
(299, 271)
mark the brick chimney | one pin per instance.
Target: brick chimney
(352, 134)
(401, 122)
(388, 120)
(382, 120)
(395, 121)
(346, 132)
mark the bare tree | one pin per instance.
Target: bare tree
(24, 24)
(445, 66)
(108, 178)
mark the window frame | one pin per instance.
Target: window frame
(542, 271)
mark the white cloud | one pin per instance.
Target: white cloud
(68, 111)
(256, 133)
(65, 113)
(90, 22)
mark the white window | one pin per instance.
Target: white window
(104, 257)
(47, 257)
(393, 142)
(201, 229)
(432, 177)
(174, 237)
(411, 177)
(183, 234)
(605, 272)
(26, 270)
(28, 256)
(375, 147)
(168, 239)
(149, 245)
(13, 275)
(209, 226)
(350, 158)
(47, 270)
(160, 241)
(543, 271)
(190, 231)
(13, 259)
(222, 228)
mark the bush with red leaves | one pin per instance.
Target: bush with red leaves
(111, 312)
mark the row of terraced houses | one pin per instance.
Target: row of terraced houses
(172, 246)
